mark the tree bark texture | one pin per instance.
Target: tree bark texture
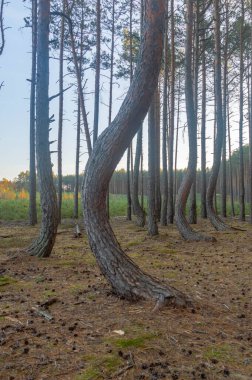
(215, 220)
(152, 216)
(32, 180)
(43, 246)
(125, 277)
(61, 101)
(183, 226)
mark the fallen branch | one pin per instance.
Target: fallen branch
(43, 313)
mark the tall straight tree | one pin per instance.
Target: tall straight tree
(225, 91)
(241, 97)
(216, 221)
(193, 203)
(125, 277)
(203, 122)
(43, 245)
(170, 212)
(61, 100)
(32, 179)
(184, 228)
(152, 211)
(165, 126)
(250, 123)
(97, 70)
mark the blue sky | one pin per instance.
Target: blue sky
(15, 68)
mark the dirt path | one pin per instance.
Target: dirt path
(94, 335)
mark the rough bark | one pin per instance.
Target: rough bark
(184, 228)
(125, 277)
(97, 70)
(61, 101)
(152, 216)
(32, 179)
(215, 220)
(43, 245)
(250, 125)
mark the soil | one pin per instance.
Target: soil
(60, 320)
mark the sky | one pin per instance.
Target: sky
(15, 69)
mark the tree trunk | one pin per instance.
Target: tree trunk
(152, 217)
(225, 91)
(77, 164)
(165, 126)
(211, 212)
(157, 155)
(241, 158)
(125, 277)
(193, 202)
(2, 38)
(184, 228)
(32, 180)
(61, 100)
(203, 129)
(250, 125)
(43, 246)
(170, 211)
(97, 70)
(138, 210)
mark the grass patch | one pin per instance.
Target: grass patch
(221, 352)
(6, 280)
(100, 367)
(137, 342)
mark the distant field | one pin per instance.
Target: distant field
(18, 209)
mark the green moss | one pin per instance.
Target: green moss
(139, 341)
(100, 367)
(6, 280)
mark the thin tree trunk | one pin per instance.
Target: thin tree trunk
(43, 245)
(152, 217)
(157, 155)
(61, 100)
(203, 129)
(184, 228)
(138, 210)
(125, 277)
(225, 90)
(77, 163)
(170, 212)
(211, 212)
(32, 180)
(78, 77)
(165, 126)
(97, 70)
(250, 125)
(2, 37)
(192, 218)
(241, 158)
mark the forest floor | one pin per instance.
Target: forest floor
(95, 335)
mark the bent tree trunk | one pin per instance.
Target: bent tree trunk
(43, 245)
(125, 277)
(183, 226)
(215, 220)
